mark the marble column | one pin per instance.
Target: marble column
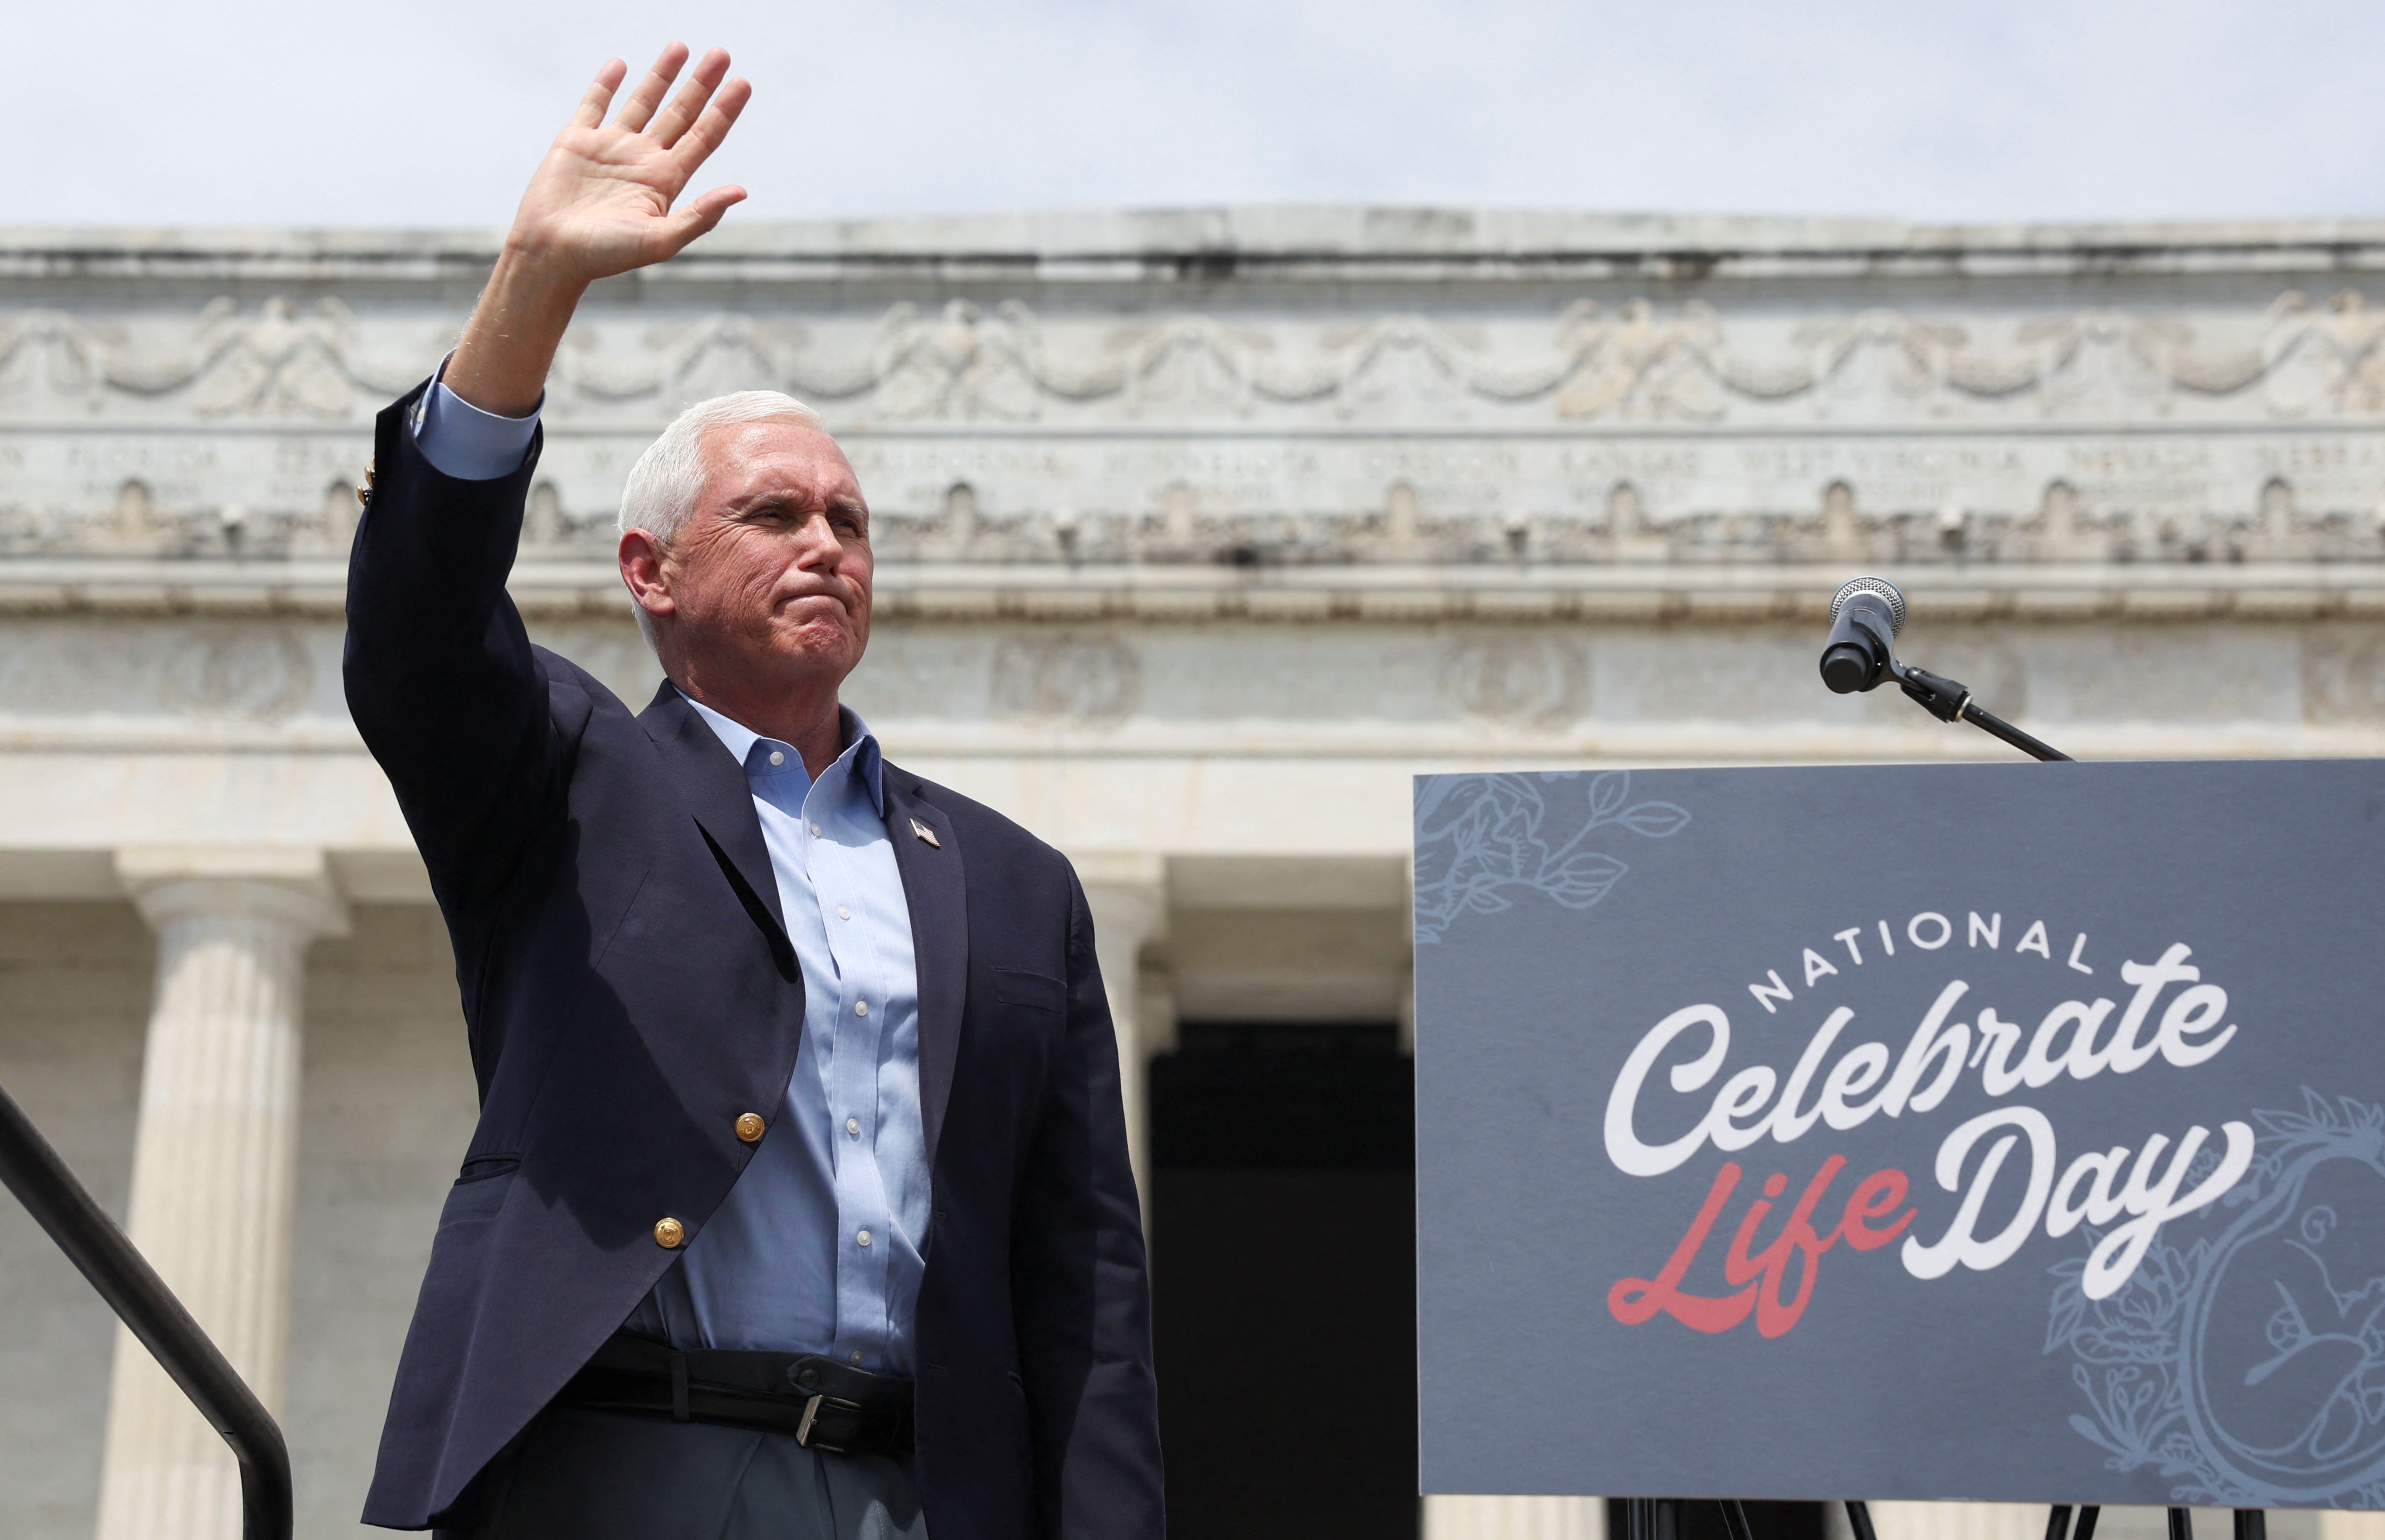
(1477, 1518)
(1912, 1521)
(1128, 896)
(214, 1169)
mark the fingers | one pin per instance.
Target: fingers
(698, 144)
(701, 215)
(652, 87)
(600, 95)
(688, 104)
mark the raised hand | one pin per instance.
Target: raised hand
(600, 204)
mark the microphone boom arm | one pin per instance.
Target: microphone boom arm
(1951, 701)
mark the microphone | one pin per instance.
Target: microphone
(1867, 614)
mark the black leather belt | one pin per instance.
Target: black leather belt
(823, 1404)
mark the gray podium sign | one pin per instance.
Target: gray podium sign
(1948, 1132)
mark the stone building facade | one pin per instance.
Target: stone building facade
(1199, 533)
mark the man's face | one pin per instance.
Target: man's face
(770, 579)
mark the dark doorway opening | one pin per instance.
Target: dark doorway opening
(1283, 1282)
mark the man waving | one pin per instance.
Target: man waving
(799, 1204)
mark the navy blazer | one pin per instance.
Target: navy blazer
(628, 990)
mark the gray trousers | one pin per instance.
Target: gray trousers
(595, 1475)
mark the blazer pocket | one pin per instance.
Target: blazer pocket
(480, 1168)
(1016, 987)
(474, 1201)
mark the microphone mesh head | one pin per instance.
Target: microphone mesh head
(1882, 586)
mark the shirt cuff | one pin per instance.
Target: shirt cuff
(462, 440)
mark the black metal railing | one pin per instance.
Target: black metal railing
(124, 1278)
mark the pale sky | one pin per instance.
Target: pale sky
(432, 114)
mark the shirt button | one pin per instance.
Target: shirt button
(843, 913)
(815, 830)
(778, 757)
(861, 1008)
(864, 1239)
(852, 1126)
(857, 1357)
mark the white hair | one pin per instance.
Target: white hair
(661, 493)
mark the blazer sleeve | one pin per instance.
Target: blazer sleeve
(440, 677)
(1083, 1298)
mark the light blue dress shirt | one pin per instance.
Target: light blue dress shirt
(818, 1247)
(462, 440)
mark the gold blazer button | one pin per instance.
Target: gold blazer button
(668, 1233)
(750, 1126)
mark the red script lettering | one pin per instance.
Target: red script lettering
(1758, 1277)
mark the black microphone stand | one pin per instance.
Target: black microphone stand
(1951, 701)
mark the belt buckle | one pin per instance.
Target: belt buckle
(811, 1411)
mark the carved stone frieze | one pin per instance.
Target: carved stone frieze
(281, 361)
(1632, 362)
(1090, 681)
(1530, 679)
(225, 673)
(1476, 415)
(252, 673)
(961, 362)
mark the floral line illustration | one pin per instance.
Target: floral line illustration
(1483, 839)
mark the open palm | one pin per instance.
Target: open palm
(602, 200)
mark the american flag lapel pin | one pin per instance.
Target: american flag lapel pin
(926, 833)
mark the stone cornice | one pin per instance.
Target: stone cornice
(1216, 245)
(1626, 592)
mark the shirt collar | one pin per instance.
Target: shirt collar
(867, 761)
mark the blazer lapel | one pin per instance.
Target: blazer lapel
(939, 905)
(723, 804)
